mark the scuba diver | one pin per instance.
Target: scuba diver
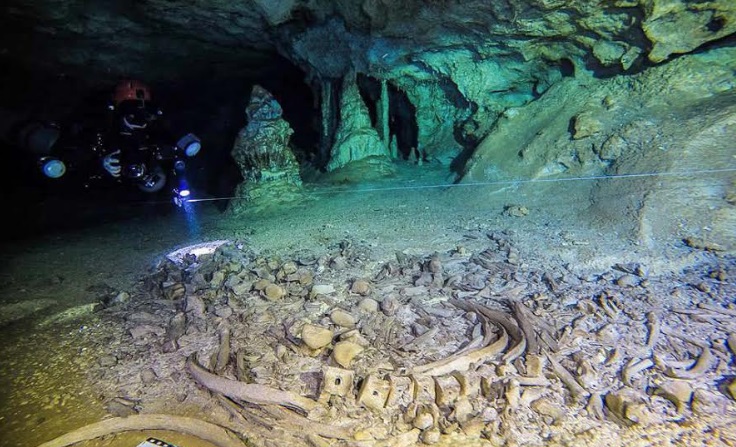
(134, 146)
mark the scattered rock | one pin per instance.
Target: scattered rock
(679, 392)
(321, 289)
(368, 305)
(107, 361)
(361, 287)
(516, 210)
(345, 352)
(731, 388)
(585, 125)
(627, 281)
(316, 337)
(148, 376)
(390, 305)
(342, 318)
(274, 292)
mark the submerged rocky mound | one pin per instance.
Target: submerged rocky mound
(339, 348)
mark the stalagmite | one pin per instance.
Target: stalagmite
(327, 115)
(384, 111)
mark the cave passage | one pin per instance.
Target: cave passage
(403, 123)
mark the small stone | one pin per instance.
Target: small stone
(107, 361)
(223, 311)
(148, 376)
(289, 267)
(585, 125)
(321, 289)
(261, 284)
(390, 305)
(361, 287)
(431, 436)
(731, 388)
(274, 292)
(424, 420)
(368, 305)
(627, 281)
(342, 318)
(218, 278)
(678, 392)
(316, 337)
(242, 288)
(345, 352)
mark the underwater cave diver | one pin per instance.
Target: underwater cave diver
(132, 119)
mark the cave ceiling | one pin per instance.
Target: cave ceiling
(165, 39)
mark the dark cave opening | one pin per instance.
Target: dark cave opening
(213, 108)
(370, 90)
(403, 123)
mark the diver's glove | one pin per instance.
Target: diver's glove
(111, 163)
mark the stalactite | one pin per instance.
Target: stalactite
(327, 117)
(384, 111)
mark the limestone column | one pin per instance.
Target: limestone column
(326, 107)
(383, 110)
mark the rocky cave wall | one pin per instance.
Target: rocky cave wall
(461, 63)
(513, 87)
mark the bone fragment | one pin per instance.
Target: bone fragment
(374, 392)
(446, 390)
(679, 392)
(223, 353)
(401, 391)
(732, 343)
(256, 394)
(296, 423)
(654, 328)
(424, 338)
(687, 338)
(463, 362)
(336, 382)
(705, 362)
(718, 309)
(634, 367)
(595, 406)
(567, 378)
(213, 433)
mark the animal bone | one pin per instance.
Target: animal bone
(215, 434)
(705, 362)
(336, 382)
(567, 378)
(635, 367)
(256, 394)
(374, 392)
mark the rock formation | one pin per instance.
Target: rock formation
(356, 139)
(261, 151)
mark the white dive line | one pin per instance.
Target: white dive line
(505, 182)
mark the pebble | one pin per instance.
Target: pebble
(342, 318)
(274, 292)
(368, 305)
(322, 289)
(316, 337)
(627, 281)
(361, 287)
(148, 376)
(107, 361)
(345, 352)
(390, 305)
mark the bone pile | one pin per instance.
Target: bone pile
(339, 349)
